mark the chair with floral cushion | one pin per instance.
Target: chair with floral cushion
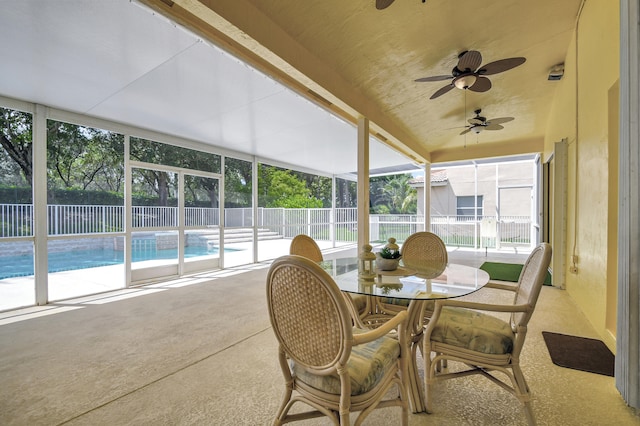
(327, 364)
(466, 332)
(305, 246)
(425, 255)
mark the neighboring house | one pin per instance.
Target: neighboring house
(502, 189)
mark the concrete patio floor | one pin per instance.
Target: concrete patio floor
(200, 350)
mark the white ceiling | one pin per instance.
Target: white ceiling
(119, 61)
(365, 61)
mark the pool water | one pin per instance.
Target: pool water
(20, 266)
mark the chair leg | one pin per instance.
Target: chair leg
(403, 393)
(429, 377)
(345, 419)
(523, 394)
(285, 406)
(528, 411)
(282, 415)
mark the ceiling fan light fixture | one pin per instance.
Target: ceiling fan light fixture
(464, 81)
(477, 129)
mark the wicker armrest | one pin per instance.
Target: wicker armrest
(481, 306)
(381, 331)
(502, 285)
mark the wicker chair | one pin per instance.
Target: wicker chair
(326, 363)
(305, 246)
(425, 254)
(466, 332)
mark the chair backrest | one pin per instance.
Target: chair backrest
(425, 253)
(308, 313)
(305, 246)
(530, 283)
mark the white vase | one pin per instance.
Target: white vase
(386, 264)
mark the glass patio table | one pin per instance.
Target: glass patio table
(392, 291)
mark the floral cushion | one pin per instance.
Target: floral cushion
(368, 364)
(473, 330)
(396, 301)
(429, 307)
(359, 301)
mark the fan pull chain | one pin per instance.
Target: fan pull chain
(465, 115)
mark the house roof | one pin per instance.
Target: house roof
(437, 177)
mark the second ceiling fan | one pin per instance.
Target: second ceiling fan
(469, 74)
(479, 123)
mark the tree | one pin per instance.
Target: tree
(159, 181)
(319, 186)
(10, 172)
(392, 194)
(107, 153)
(77, 157)
(16, 139)
(238, 183)
(282, 189)
(82, 157)
(316, 188)
(201, 191)
(403, 198)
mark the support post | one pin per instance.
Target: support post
(363, 182)
(39, 184)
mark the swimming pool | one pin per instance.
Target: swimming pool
(21, 266)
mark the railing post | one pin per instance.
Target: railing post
(332, 230)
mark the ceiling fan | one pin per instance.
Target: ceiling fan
(479, 123)
(383, 4)
(468, 74)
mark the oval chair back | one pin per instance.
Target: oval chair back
(425, 253)
(315, 333)
(305, 246)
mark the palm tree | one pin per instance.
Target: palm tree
(401, 197)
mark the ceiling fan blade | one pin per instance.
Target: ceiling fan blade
(500, 120)
(434, 78)
(466, 131)
(482, 84)
(475, 121)
(469, 60)
(442, 91)
(493, 126)
(383, 4)
(500, 66)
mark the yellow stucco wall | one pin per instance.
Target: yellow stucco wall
(580, 113)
